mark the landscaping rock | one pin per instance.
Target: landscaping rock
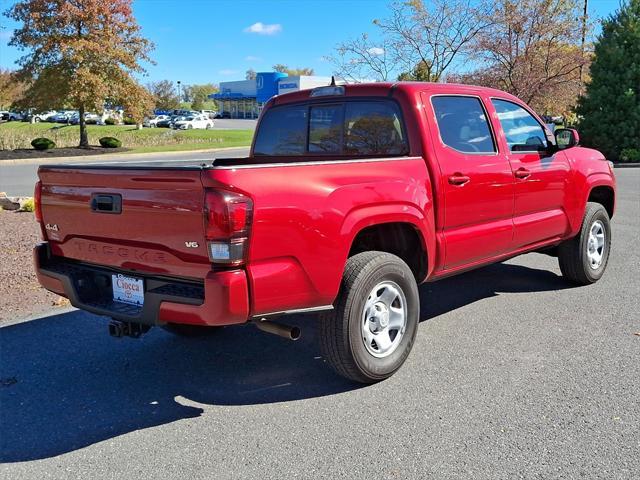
(7, 203)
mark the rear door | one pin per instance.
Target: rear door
(541, 179)
(477, 182)
(137, 219)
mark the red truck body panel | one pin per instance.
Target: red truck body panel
(306, 211)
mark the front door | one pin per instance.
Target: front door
(540, 178)
(476, 182)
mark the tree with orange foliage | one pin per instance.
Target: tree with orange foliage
(11, 88)
(532, 49)
(81, 53)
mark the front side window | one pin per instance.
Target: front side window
(522, 130)
(357, 128)
(463, 124)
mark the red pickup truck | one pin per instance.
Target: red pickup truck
(352, 196)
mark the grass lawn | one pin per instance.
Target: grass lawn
(14, 135)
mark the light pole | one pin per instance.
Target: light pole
(584, 35)
(179, 94)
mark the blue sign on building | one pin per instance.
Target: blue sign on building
(267, 85)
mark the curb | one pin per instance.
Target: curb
(626, 165)
(110, 156)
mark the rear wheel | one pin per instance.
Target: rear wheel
(370, 332)
(185, 330)
(583, 259)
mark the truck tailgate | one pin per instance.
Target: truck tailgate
(137, 219)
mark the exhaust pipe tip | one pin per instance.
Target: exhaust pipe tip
(295, 333)
(285, 331)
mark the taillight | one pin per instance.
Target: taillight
(37, 201)
(227, 225)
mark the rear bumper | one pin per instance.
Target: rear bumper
(220, 299)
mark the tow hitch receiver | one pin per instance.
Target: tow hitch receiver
(120, 329)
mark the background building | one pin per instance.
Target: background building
(245, 98)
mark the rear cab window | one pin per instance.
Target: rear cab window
(357, 128)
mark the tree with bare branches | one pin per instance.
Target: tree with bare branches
(361, 58)
(533, 50)
(416, 36)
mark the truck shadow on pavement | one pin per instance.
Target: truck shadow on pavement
(65, 384)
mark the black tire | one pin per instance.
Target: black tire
(572, 254)
(191, 331)
(341, 336)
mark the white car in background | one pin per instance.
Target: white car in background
(194, 122)
(209, 113)
(153, 121)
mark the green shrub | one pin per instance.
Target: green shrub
(129, 121)
(28, 206)
(42, 143)
(630, 155)
(109, 121)
(110, 142)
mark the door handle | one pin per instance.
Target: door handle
(522, 173)
(458, 179)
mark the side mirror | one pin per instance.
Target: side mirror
(566, 138)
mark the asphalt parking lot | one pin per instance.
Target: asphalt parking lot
(515, 374)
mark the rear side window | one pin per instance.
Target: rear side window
(463, 124)
(522, 130)
(283, 131)
(357, 128)
(374, 128)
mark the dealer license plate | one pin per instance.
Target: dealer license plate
(127, 289)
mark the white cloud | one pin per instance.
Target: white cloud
(376, 51)
(251, 58)
(264, 29)
(227, 71)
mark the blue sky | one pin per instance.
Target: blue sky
(200, 41)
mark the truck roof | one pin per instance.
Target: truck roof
(383, 89)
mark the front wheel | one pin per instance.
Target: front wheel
(370, 332)
(583, 259)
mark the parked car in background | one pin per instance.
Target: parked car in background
(177, 118)
(40, 117)
(91, 118)
(153, 121)
(165, 122)
(195, 122)
(350, 197)
(4, 115)
(211, 114)
(63, 116)
(224, 115)
(15, 116)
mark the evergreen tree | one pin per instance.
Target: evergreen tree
(611, 105)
